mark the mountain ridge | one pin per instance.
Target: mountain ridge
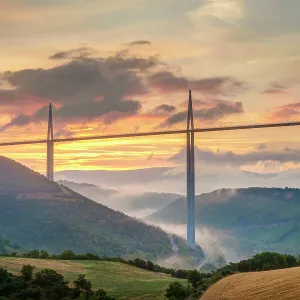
(252, 219)
(57, 218)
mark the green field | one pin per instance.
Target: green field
(119, 280)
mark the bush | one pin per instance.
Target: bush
(27, 272)
(47, 285)
(176, 291)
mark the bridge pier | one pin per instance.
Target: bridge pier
(50, 147)
(190, 155)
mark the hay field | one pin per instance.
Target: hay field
(269, 285)
(120, 280)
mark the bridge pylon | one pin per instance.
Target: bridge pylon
(50, 147)
(190, 155)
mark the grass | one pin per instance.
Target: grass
(119, 280)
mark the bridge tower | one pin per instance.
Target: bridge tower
(190, 155)
(50, 147)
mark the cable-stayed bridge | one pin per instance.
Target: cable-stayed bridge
(202, 117)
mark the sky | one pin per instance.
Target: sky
(124, 66)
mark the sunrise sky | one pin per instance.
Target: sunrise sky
(124, 66)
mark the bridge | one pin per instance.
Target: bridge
(190, 131)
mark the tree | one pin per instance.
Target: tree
(194, 278)
(44, 254)
(150, 265)
(27, 272)
(30, 293)
(6, 280)
(82, 284)
(101, 295)
(48, 277)
(33, 254)
(177, 291)
(68, 254)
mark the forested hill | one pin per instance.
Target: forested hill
(39, 214)
(7, 247)
(261, 219)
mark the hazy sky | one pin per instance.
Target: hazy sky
(126, 65)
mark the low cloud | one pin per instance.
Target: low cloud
(166, 81)
(237, 160)
(140, 43)
(275, 88)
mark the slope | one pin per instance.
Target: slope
(120, 280)
(278, 284)
(39, 214)
(261, 219)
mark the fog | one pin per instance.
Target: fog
(131, 197)
(210, 240)
(172, 180)
(214, 243)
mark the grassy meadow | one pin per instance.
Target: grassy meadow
(119, 280)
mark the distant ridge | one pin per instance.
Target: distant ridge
(252, 219)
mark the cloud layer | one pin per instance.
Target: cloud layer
(84, 86)
(236, 160)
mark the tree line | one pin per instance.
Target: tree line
(199, 282)
(46, 284)
(70, 255)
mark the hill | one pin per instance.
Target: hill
(130, 203)
(278, 284)
(39, 214)
(120, 280)
(251, 220)
(87, 189)
(7, 247)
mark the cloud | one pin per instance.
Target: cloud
(265, 166)
(166, 81)
(272, 17)
(164, 108)
(237, 160)
(262, 146)
(19, 120)
(62, 133)
(83, 87)
(84, 78)
(73, 53)
(123, 61)
(140, 43)
(108, 88)
(285, 113)
(242, 20)
(209, 111)
(275, 88)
